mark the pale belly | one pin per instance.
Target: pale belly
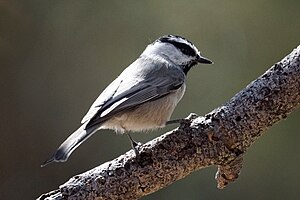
(150, 115)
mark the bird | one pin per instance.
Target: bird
(143, 97)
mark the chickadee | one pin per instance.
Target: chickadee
(142, 97)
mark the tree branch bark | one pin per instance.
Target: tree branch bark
(219, 138)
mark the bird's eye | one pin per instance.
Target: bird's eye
(185, 49)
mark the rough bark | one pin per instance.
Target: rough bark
(219, 138)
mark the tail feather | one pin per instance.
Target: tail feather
(70, 144)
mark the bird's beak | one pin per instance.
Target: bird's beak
(201, 59)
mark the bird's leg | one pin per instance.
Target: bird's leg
(134, 144)
(174, 121)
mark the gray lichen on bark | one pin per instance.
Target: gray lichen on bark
(219, 138)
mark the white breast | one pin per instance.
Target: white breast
(150, 115)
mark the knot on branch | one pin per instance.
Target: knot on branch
(228, 173)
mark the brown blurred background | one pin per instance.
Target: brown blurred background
(57, 56)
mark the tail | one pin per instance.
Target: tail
(70, 144)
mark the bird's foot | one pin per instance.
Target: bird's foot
(135, 145)
(174, 121)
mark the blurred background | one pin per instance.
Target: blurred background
(57, 56)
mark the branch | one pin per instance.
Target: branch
(219, 138)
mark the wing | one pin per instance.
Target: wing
(147, 90)
(105, 96)
(114, 88)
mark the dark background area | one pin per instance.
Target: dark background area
(57, 56)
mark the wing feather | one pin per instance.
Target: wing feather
(142, 92)
(104, 97)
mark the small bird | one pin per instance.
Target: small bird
(142, 97)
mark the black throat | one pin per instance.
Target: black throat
(186, 67)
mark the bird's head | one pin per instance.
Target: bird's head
(178, 50)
